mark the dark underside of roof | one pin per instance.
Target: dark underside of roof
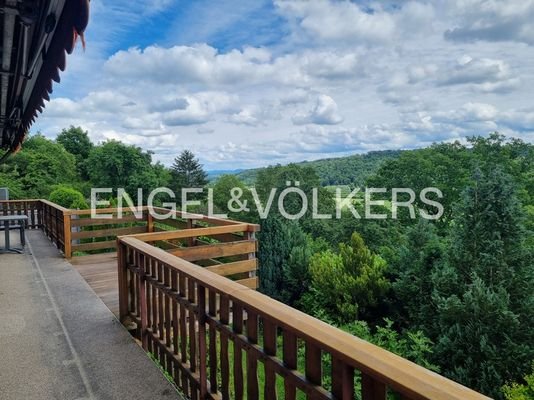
(36, 37)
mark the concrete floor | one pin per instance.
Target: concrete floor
(59, 341)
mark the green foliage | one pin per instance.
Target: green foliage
(116, 165)
(417, 259)
(412, 345)
(39, 166)
(277, 177)
(518, 391)
(222, 193)
(346, 285)
(443, 166)
(274, 250)
(9, 179)
(484, 323)
(297, 277)
(187, 172)
(352, 170)
(68, 197)
(76, 141)
(284, 255)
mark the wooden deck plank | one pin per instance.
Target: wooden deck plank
(100, 272)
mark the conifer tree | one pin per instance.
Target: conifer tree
(187, 172)
(274, 250)
(346, 285)
(484, 293)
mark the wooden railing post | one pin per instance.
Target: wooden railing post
(290, 362)
(149, 222)
(67, 235)
(202, 348)
(252, 361)
(251, 256)
(191, 241)
(56, 228)
(372, 389)
(342, 380)
(141, 264)
(123, 281)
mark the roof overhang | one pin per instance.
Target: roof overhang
(36, 37)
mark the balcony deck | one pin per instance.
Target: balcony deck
(217, 338)
(58, 340)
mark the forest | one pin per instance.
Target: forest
(350, 170)
(454, 295)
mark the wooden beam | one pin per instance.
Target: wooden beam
(215, 250)
(106, 221)
(251, 283)
(237, 267)
(108, 232)
(194, 232)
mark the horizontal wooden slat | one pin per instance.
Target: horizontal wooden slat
(251, 283)
(112, 210)
(110, 244)
(228, 237)
(165, 245)
(194, 232)
(175, 223)
(19, 201)
(237, 267)
(108, 232)
(105, 221)
(210, 220)
(215, 250)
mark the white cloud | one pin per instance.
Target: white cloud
(493, 21)
(339, 20)
(487, 75)
(324, 112)
(352, 23)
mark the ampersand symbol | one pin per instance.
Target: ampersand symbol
(236, 194)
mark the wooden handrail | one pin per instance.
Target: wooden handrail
(176, 214)
(146, 271)
(56, 206)
(19, 201)
(193, 232)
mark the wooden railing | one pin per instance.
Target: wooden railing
(31, 208)
(41, 214)
(86, 235)
(225, 247)
(222, 340)
(55, 224)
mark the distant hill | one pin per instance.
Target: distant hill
(333, 171)
(214, 174)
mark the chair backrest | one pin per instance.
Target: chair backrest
(4, 194)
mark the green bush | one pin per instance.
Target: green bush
(68, 197)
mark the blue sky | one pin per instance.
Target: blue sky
(251, 83)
